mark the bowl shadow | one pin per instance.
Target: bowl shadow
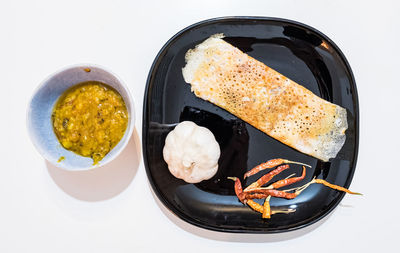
(103, 182)
(237, 237)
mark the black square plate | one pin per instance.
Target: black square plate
(299, 52)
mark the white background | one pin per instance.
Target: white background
(112, 209)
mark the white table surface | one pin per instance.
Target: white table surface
(112, 209)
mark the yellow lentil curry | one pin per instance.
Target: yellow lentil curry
(90, 119)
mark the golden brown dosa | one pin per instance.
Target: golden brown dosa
(225, 76)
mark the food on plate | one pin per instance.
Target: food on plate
(268, 177)
(270, 164)
(233, 139)
(90, 119)
(191, 152)
(222, 74)
(267, 212)
(256, 191)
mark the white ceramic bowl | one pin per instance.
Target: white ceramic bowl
(41, 106)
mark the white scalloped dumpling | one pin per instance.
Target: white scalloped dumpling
(191, 152)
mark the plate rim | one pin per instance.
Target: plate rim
(145, 125)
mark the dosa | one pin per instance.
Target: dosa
(225, 76)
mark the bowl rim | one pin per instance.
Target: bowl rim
(128, 131)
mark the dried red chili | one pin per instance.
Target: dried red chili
(288, 181)
(269, 165)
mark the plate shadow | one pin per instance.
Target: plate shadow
(237, 237)
(104, 182)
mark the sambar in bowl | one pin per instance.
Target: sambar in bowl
(81, 117)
